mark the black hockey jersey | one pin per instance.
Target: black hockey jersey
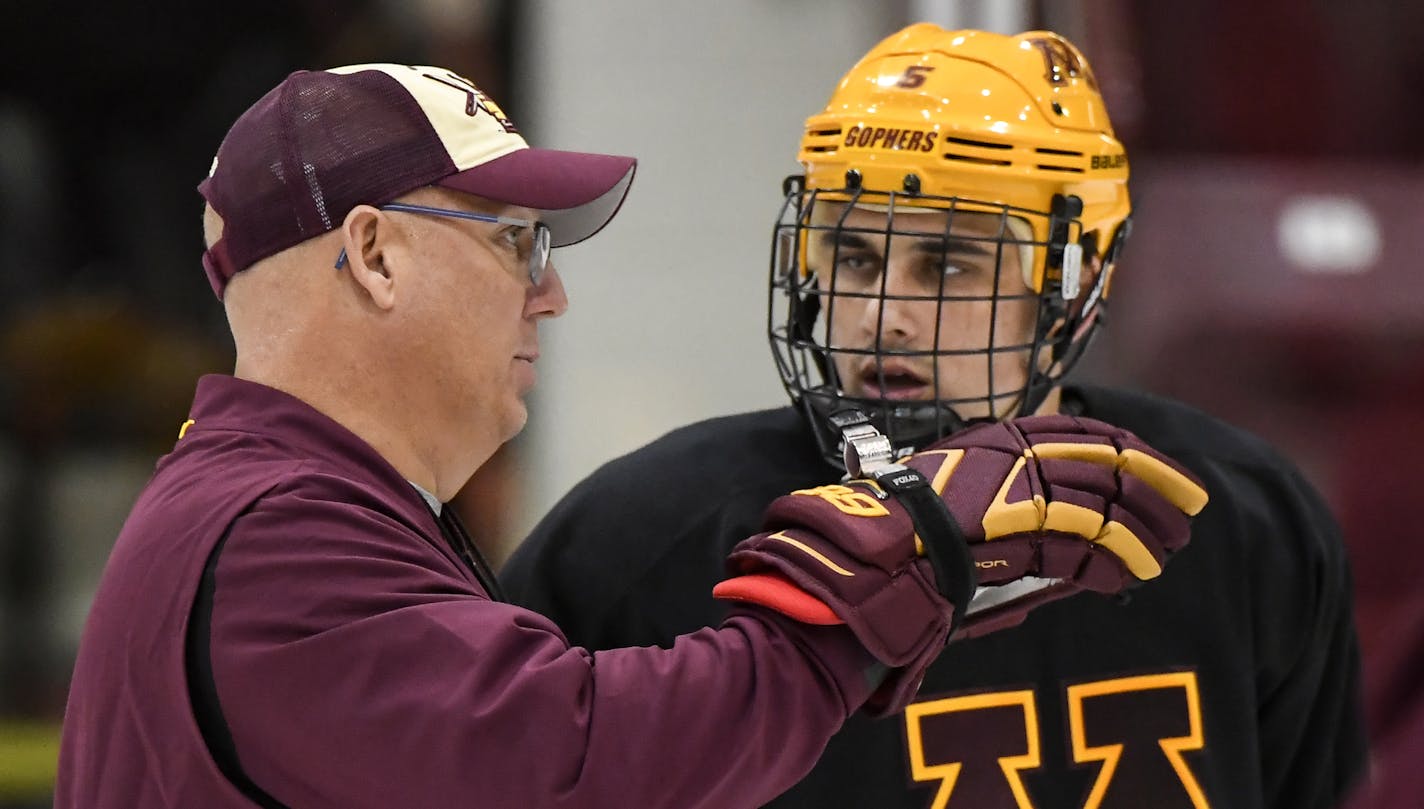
(1229, 682)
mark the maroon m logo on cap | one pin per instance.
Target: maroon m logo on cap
(475, 99)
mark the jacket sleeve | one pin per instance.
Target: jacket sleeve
(356, 667)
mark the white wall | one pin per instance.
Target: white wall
(667, 319)
(668, 305)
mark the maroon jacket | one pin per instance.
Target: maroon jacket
(358, 663)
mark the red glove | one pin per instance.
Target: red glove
(1047, 505)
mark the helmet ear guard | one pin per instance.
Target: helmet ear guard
(1063, 260)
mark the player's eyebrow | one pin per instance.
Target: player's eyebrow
(927, 244)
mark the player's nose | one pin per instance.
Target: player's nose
(893, 311)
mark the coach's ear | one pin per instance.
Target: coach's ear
(364, 234)
(212, 226)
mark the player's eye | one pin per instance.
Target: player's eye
(953, 267)
(857, 266)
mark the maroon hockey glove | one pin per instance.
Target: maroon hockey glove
(1056, 505)
(1041, 507)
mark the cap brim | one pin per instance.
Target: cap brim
(576, 193)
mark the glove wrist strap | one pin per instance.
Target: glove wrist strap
(943, 542)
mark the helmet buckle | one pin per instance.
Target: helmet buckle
(864, 448)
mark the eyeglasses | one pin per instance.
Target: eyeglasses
(538, 248)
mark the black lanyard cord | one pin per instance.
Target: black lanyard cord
(459, 539)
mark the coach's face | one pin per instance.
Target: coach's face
(949, 297)
(475, 318)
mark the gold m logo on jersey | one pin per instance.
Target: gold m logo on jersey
(985, 749)
(847, 500)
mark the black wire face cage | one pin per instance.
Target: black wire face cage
(805, 292)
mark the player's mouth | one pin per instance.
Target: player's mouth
(895, 380)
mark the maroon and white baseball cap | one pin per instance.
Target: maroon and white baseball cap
(322, 142)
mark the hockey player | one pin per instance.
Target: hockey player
(945, 260)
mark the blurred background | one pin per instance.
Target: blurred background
(1273, 276)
